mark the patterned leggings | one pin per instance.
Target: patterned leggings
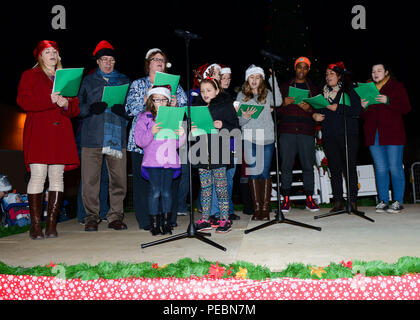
(218, 178)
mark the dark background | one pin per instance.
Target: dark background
(233, 33)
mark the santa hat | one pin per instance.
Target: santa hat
(253, 69)
(163, 90)
(225, 69)
(42, 45)
(154, 50)
(104, 48)
(5, 184)
(203, 72)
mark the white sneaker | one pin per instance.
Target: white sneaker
(382, 207)
(181, 213)
(396, 207)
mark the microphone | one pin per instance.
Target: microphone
(187, 34)
(271, 55)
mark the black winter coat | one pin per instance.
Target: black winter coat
(218, 147)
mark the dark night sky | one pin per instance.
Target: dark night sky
(233, 33)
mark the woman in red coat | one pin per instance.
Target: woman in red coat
(385, 136)
(48, 140)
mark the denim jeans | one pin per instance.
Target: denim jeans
(388, 160)
(160, 188)
(258, 158)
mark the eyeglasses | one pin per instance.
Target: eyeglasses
(107, 60)
(157, 60)
(160, 100)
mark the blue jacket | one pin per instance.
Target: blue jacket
(92, 133)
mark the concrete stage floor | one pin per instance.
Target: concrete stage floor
(343, 237)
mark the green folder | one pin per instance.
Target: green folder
(162, 79)
(245, 107)
(298, 94)
(317, 102)
(67, 81)
(368, 91)
(347, 101)
(201, 118)
(170, 119)
(115, 94)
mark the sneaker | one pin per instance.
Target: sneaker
(214, 221)
(382, 207)
(224, 226)
(203, 225)
(181, 213)
(285, 205)
(311, 205)
(233, 216)
(396, 207)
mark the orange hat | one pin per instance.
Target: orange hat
(42, 45)
(303, 59)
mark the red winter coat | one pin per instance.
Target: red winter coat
(387, 118)
(48, 133)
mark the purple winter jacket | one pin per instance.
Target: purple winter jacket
(157, 153)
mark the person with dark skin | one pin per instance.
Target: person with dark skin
(296, 136)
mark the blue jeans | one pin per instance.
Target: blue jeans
(258, 158)
(183, 190)
(160, 188)
(388, 159)
(215, 201)
(103, 197)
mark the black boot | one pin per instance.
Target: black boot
(166, 223)
(246, 198)
(155, 225)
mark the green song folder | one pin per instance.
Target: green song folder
(170, 119)
(67, 81)
(368, 91)
(201, 118)
(245, 107)
(298, 94)
(317, 102)
(162, 79)
(115, 94)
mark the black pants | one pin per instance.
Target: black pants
(334, 147)
(290, 146)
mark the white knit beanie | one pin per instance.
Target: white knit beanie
(253, 69)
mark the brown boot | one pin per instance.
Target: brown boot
(265, 199)
(338, 206)
(255, 187)
(35, 209)
(55, 200)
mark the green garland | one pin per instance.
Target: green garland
(186, 268)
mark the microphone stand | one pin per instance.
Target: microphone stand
(348, 209)
(279, 217)
(192, 230)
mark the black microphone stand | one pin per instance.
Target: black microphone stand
(348, 209)
(192, 230)
(279, 217)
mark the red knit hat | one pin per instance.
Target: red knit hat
(42, 45)
(104, 48)
(339, 65)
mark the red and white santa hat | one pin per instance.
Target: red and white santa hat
(162, 90)
(154, 50)
(225, 69)
(253, 69)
